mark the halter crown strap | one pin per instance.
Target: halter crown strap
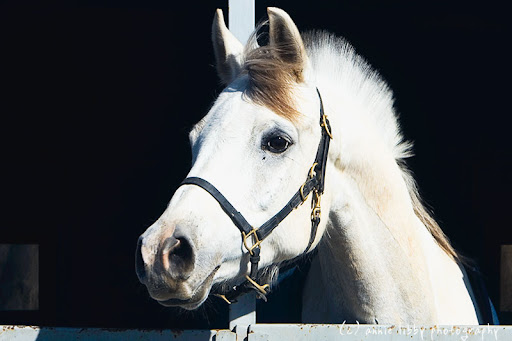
(323, 148)
(314, 183)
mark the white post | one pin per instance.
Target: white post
(243, 313)
(241, 19)
(241, 24)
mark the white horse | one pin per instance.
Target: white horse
(381, 257)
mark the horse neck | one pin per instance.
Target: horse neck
(373, 259)
(377, 261)
(369, 273)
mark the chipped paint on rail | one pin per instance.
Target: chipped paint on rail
(30, 333)
(269, 332)
(364, 332)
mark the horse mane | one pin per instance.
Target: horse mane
(426, 217)
(271, 79)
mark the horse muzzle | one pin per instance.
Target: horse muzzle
(167, 267)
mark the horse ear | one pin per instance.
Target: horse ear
(228, 50)
(285, 36)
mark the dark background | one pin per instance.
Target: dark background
(98, 97)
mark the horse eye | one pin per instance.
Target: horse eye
(277, 144)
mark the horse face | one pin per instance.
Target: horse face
(257, 159)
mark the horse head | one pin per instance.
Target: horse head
(257, 146)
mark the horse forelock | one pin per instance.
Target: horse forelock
(271, 79)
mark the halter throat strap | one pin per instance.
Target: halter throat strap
(314, 183)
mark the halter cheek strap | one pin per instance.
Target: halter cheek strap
(314, 183)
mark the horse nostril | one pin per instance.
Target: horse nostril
(178, 257)
(170, 244)
(140, 268)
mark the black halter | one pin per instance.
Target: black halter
(314, 183)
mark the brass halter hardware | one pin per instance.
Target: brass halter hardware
(326, 126)
(304, 198)
(311, 175)
(223, 297)
(261, 288)
(256, 243)
(316, 210)
(312, 172)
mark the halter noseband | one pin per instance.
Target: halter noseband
(314, 183)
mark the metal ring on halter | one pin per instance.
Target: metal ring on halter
(311, 175)
(304, 198)
(223, 297)
(261, 288)
(255, 245)
(316, 213)
(312, 172)
(316, 210)
(324, 124)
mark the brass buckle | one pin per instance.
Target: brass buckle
(260, 288)
(316, 210)
(311, 175)
(324, 124)
(312, 172)
(256, 244)
(303, 198)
